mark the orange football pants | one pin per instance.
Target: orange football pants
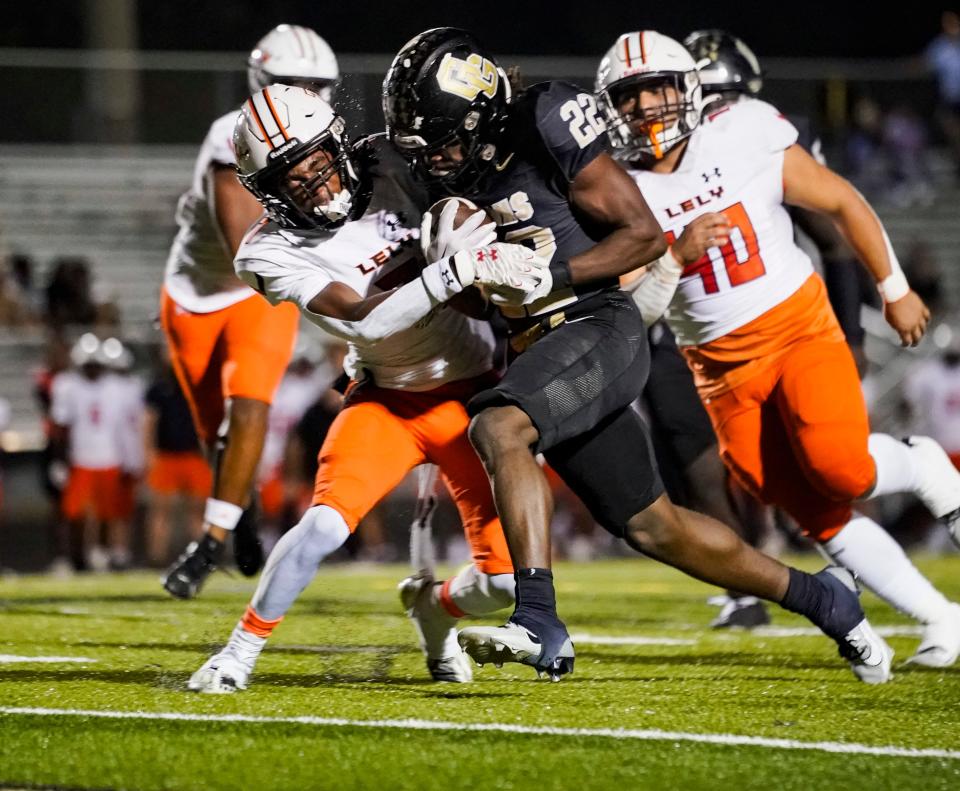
(795, 434)
(380, 435)
(100, 492)
(241, 351)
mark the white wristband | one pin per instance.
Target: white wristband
(894, 286)
(221, 514)
(669, 262)
(441, 280)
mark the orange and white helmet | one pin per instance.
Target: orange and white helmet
(278, 128)
(648, 61)
(293, 55)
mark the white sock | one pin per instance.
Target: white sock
(896, 466)
(475, 593)
(294, 560)
(868, 550)
(245, 645)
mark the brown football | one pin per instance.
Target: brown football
(466, 209)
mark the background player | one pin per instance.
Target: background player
(768, 356)
(228, 346)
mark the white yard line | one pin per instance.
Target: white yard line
(729, 739)
(6, 659)
(813, 631)
(600, 639)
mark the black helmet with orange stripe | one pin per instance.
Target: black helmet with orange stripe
(294, 157)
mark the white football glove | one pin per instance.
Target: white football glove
(477, 230)
(509, 274)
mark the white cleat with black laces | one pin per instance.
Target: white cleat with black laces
(870, 658)
(436, 630)
(221, 674)
(515, 643)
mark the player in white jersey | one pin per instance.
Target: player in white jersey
(768, 356)
(228, 346)
(340, 243)
(90, 412)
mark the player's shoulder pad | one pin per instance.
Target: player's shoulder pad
(391, 181)
(220, 138)
(758, 121)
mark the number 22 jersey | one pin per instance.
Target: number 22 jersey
(733, 164)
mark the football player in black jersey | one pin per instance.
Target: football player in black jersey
(538, 164)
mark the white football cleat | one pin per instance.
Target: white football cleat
(871, 659)
(455, 669)
(940, 487)
(436, 630)
(515, 643)
(940, 645)
(221, 674)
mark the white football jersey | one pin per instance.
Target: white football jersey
(734, 164)
(97, 415)
(932, 388)
(199, 274)
(375, 253)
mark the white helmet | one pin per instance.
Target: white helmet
(648, 57)
(115, 355)
(279, 127)
(86, 351)
(293, 55)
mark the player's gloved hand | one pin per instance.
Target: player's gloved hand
(509, 274)
(908, 316)
(706, 231)
(445, 240)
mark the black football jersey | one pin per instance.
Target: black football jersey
(554, 131)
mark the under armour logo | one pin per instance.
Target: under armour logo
(447, 277)
(708, 176)
(493, 255)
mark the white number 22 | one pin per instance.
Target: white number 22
(585, 125)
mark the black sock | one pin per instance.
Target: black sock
(535, 593)
(804, 593)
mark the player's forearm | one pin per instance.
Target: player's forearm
(624, 250)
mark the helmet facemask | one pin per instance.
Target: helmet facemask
(309, 201)
(650, 133)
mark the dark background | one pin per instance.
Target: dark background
(802, 29)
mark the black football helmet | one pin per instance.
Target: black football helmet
(732, 68)
(442, 88)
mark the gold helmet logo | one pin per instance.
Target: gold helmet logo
(468, 78)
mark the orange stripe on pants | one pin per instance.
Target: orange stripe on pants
(241, 351)
(383, 434)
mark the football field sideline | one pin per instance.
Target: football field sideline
(728, 739)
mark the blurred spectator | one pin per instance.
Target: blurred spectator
(923, 271)
(87, 430)
(23, 270)
(14, 309)
(176, 469)
(943, 58)
(72, 298)
(864, 156)
(905, 145)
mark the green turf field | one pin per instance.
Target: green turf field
(327, 704)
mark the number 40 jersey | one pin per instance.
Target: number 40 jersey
(733, 164)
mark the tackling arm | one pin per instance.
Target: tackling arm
(234, 208)
(810, 185)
